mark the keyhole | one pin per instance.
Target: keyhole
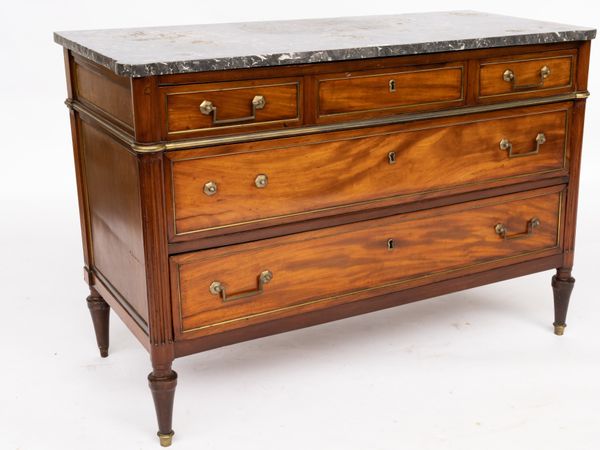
(392, 157)
(392, 85)
(391, 244)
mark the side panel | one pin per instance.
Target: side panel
(113, 198)
(102, 90)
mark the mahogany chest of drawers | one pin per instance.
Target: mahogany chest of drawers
(241, 180)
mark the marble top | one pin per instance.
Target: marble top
(139, 52)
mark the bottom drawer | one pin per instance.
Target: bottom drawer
(234, 286)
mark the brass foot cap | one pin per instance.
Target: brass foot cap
(559, 330)
(165, 439)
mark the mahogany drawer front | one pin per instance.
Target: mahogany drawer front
(286, 181)
(232, 107)
(238, 285)
(526, 76)
(375, 93)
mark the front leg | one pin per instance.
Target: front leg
(562, 286)
(162, 384)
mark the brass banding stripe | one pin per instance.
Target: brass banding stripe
(312, 129)
(119, 134)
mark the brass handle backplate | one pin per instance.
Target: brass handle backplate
(210, 188)
(510, 77)
(207, 108)
(218, 288)
(261, 181)
(502, 230)
(505, 144)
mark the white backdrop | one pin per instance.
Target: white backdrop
(475, 370)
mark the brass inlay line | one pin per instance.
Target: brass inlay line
(113, 130)
(313, 129)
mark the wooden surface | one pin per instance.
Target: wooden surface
(109, 94)
(331, 173)
(370, 92)
(115, 217)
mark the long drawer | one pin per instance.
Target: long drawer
(234, 286)
(260, 183)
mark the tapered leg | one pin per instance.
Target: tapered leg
(162, 385)
(562, 286)
(100, 312)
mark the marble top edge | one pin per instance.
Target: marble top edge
(139, 52)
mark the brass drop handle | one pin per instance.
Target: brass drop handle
(502, 230)
(505, 144)
(207, 108)
(509, 77)
(218, 288)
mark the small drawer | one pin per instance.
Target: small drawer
(231, 107)
(354, 95)
(527, 75)
(239, 285)
(258, 184)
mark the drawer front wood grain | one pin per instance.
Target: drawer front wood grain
(373, 93)
(315, 269)
(526, 76)
(232, 107)
(363, 168)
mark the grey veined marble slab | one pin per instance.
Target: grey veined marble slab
(138, 52)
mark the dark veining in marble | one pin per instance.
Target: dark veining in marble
(140, 52)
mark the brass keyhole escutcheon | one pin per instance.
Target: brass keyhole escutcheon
(392, 85)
